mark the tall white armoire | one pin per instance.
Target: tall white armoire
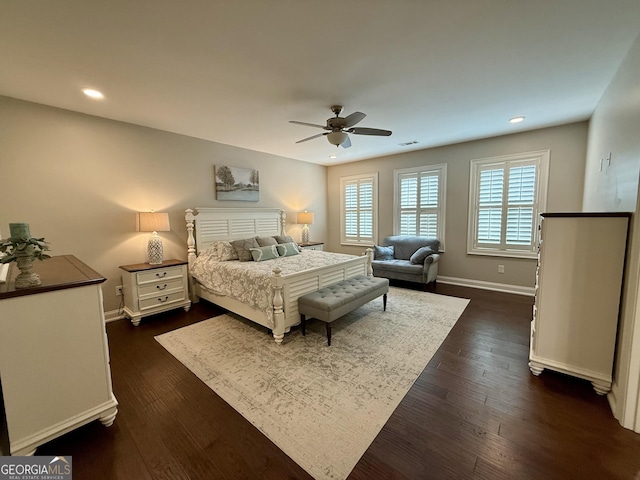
(581, 260)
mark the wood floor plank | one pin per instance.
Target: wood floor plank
(475, 412)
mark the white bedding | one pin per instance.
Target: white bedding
(249, 282)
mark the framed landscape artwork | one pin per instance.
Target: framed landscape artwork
(235, 183)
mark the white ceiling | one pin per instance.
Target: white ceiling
(236, 71)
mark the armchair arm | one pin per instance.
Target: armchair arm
(430, 269)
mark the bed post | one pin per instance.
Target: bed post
(369, 253)
(191, 251)
(278, 312)
(283, 217)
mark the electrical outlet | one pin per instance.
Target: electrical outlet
(119, 291)
(500, 268)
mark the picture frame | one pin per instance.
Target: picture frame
(236, 183)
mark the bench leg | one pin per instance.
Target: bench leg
(328, 334)
(384, 302)
(303, 324)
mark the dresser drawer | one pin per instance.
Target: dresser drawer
(161, 300)
(159, 274)
(161, 286)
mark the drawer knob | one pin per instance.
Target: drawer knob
(161, 275)
(161, 287)
(162, 300)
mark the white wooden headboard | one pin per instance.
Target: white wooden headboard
(216, 224)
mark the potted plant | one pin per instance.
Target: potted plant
(23, 249)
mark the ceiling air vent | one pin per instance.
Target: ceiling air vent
(405, 144)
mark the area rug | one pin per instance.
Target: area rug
(323, 406)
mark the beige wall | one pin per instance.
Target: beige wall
(615, 129)
(78, 181)
(568, 149)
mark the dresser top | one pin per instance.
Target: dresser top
(56, 273)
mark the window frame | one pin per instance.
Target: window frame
(359, 241)
(541, 159)
(441, 172)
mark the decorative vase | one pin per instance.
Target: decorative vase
(27, 277)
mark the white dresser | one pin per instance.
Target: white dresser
(578, 286)
(150, 289)
(54, 357)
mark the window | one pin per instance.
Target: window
(506, 196)
(359, 209)
(419, 201)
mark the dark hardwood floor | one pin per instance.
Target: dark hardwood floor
(475, 412)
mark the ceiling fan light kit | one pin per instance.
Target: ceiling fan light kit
(337, 138)
(338, 127)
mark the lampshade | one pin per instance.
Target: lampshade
(154, 222)
(305, 218)
(337, 138)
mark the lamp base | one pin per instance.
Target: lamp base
(305, 234)
(154, 250)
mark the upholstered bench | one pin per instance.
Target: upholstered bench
(335, 301)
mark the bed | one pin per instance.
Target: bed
(206, 226)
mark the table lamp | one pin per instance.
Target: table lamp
(305, 218)
(154, 222)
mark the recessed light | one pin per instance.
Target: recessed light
(333, 156)
(92, 93)
(516, 119)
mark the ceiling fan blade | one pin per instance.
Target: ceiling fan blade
(351, 120)
(309, 124)
(369, 131)
(346, 143)
(311, 137)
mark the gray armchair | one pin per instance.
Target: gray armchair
(408, 258)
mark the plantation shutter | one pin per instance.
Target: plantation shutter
(359, 210)
(490, 205)
(419, 200)
(506, 204)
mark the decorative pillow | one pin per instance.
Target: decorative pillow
(421, 254)
(210, 254)
(383, 253)
(266, 241)
(287, 249)
(286, 239)
(264, 253)
(243, 248)
(226, 252)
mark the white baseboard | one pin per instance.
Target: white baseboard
(496, 287)
(113, 315)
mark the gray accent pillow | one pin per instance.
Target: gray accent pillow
(243, 248)
(266, 241)
(420, 254)
(287, 249)
(264, 253)
(287, 239)
(383, 253)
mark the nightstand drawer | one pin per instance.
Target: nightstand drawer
(159, 274)
(161, 300)
(161, 286)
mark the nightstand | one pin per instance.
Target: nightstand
(150, 289)
(312, 246)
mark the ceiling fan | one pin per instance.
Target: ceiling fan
(338, 127)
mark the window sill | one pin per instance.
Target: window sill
(506, 254)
